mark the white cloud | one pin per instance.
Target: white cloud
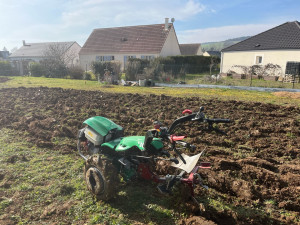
(41, 20)
(221, 33)
(112, 13)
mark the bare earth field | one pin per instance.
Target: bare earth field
(255, 175)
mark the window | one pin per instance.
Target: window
(105, 58)
(258, 60)
(149, 57)
(126, 57)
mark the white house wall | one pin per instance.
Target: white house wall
(171, 46)
(86, 60)
(73, 52)
(247, 58)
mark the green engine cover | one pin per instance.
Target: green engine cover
(128, 142)
(102, 125)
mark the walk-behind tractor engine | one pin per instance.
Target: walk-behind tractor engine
(108, 154)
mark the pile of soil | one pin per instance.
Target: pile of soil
(295, 95)
(256, 167)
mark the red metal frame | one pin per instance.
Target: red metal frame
(146, 173)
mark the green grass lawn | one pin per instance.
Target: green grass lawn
(207, 93)
(51, 188)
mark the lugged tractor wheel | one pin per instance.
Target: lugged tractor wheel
(101, 177)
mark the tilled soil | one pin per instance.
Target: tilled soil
(256, 166)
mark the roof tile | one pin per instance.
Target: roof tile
(189, 49)
(37, 49)
(131, 39)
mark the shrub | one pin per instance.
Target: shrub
(154, 70)
(36, 69)
(54, 68)
(116, 69)
(195, 64)
(5, 68)
(261, 70)
(135, 67)
(87, 76)
(76, 72)
(100, 68)
(179, 66)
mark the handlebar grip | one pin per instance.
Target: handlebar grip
(218, 120)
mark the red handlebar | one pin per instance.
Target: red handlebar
(187, 111)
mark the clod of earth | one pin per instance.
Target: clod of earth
(258, 160)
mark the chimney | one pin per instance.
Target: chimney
(24, 44)
(166, 24)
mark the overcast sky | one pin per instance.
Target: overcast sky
(196, 21)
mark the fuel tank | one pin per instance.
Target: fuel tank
(138, 141)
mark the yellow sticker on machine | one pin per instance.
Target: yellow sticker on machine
(90, 134)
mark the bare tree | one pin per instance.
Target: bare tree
(266, 70)
(60, 52)
(213, 62)
(57, 58)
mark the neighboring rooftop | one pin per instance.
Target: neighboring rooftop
(284, 36)
(130, 39)
(213, 53)
(189, 49)
(4, 54)
(37, 49)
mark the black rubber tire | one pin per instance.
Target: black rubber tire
(101, 177)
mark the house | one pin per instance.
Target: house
(4, 55)
(276, 46)
(118, 44)
(35, 52)
(212, 53)
(191, 49)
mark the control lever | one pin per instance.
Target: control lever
(163, 152)
(174, 160)
(199, 114)
(180, 156)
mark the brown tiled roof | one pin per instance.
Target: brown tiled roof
(189, 49)
(284, 36)
(131, 39)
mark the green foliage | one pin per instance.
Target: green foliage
(166, 68)
(135, 67)
(155, 69)
(5, 68)
(194, 64)
(76, 72)
(54, 68)
(36, 69)
(4, 203)
(166, 65)
(87, 76)
(99, 68)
